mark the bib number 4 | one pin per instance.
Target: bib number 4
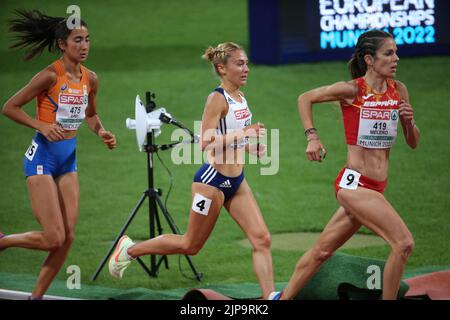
(201, 204)
(350, 179)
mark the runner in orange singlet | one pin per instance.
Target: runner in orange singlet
(65, 93)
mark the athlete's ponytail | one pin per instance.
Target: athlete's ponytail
(220, 54)
(37, 31)
(368, 43)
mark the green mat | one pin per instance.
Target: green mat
(338, 269)
(361, 272)
(26, 282)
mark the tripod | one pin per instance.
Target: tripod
(154, 199)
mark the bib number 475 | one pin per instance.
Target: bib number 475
(75, 111)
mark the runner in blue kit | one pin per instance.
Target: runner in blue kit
(220, 182)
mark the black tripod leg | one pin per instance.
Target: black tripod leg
(122, 231)
(169, 219)
(198, 275)
(145, 268)
(175, 230)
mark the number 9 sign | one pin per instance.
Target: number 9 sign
(350, 179)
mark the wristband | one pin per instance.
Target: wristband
(310, 130)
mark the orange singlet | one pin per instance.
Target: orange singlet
(65, 103)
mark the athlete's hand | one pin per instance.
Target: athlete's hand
(256, 130)
(406, 111)
(257, 149)
(315, 150)
(108, 138)
(52, 132)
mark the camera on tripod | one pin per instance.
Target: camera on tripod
(147, 124)
(151, 120)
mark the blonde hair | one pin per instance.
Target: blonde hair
(220, 54)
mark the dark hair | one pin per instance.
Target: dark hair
(368, 43)
(36, 31)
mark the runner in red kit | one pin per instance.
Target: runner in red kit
(372, 105)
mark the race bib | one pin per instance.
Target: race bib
(350, 179)
(71, 109)
(31, 151)
(201, 204)
(377, 128)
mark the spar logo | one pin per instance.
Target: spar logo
(378, 114)
(394, 115)
(241, 114)
(71, 99)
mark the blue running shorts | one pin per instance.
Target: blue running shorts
(50, 158)
(210, 176)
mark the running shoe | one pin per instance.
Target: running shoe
(276, 295)
(120, 259)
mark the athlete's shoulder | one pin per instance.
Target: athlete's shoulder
(46, 78)
(345, 89)
(399, 85)
(348, 85)
(216, 96)
(49, 72)
(93, 78)
(215, 101)
(92, 75)
(356, 83)
(403, 91)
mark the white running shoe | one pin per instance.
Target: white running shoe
(276, 295)
(120, 259)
